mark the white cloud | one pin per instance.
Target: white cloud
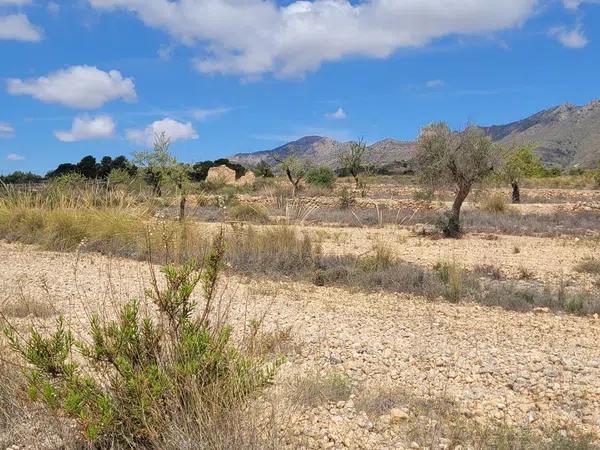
(80, 87)
(252, 37)
(86, 128)
(173, 129)
(6, 130)
(17, 27)
(340, 114)
(435, 84)
(575, 4)
(574, 38)
(14, 157)
(205, 114)
(53, 8)
(15, 2)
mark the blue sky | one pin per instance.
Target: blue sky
(101, 77)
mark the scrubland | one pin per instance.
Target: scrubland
(336, 319)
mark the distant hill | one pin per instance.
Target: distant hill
(563, 136)
(325, 151)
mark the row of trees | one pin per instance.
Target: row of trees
(89, 168)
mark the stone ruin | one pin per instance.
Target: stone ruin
(225, 175)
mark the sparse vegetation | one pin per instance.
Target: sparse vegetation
(146, 373)
(121, 217)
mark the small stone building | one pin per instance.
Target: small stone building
(221, 175)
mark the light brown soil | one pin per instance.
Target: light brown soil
(536, 370)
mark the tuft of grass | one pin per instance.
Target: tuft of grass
(452, 275)
(589, 265)
(246, 212)
(27, 307)
(378, 402)
(314, 389)
(380, 259)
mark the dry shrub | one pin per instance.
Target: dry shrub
(489, 271)
(525, 273)
(277, 250)
(246, 212)
(494, 203)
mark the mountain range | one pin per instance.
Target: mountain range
(563, 136)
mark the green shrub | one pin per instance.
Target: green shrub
(142, 374)
(322, 176)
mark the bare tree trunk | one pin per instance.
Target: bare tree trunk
(182, 202)
(516, 192)
(295, 187)
(453, 229)
(356, 180)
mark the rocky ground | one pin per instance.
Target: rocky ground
(392, 354)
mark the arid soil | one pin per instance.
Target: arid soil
(538, 370)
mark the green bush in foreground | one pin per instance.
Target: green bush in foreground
(142, 375)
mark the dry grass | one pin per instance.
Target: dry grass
(317, 389)
(246, 212)
(27, 307)
(589, 265)
(439, 423)
(494, 203)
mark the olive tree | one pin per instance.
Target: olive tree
(352, 159)
(161, 167)
(156, 163)
(294, 168)
(519, 164)
(454, 159)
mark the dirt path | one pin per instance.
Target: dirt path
(538, 370)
